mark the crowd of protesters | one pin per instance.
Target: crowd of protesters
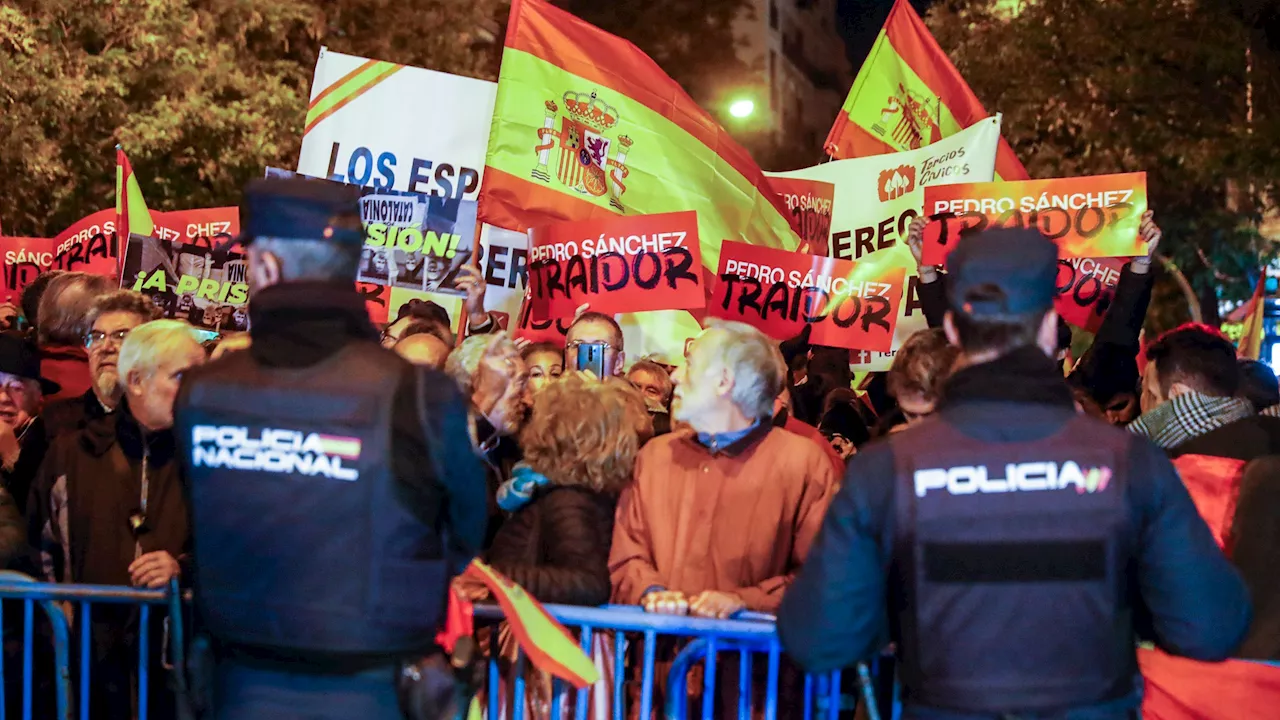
(698, 489)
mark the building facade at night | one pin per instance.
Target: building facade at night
(804, 72)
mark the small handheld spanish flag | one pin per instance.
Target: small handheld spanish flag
(547, 643)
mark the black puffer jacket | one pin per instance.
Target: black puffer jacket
(557, 546)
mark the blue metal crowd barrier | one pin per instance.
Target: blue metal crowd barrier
(80, 599)
(693, 641)
(703, 640)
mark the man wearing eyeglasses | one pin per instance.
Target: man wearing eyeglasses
(110, 320)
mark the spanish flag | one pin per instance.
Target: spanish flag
(132, 216)
(586, 125)
(1250, 343)
(908, 95)
(547, 643)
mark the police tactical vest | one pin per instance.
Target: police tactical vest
(1011, 563)
(301, 541)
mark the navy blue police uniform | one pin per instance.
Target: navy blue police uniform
(1012, 548)
(332, 489)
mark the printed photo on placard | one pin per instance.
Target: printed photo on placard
(206, 287)
(413, 241)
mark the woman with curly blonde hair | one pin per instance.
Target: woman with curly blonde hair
(580, 445)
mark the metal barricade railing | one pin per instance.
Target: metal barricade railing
(691, 642)
(79, 600)
(703, 642)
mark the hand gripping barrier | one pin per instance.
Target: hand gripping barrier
(683, 643)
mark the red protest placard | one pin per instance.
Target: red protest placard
(617, 264)
(850, 305)
(1088, 217)
(1086, 287)
(89, 245)
(536, 331)
(24, 259)
(810, 203)
(203, 227)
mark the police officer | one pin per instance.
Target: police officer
(1011, 546)
(332, 487)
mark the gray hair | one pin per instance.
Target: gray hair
(465, 359)
(319, 260)
(65, 306)
(146, 345)
(122, 301)
(756, 363)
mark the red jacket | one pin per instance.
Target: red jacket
(1182, 689)
(67, 365)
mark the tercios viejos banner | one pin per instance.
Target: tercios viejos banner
(1088, 217)
(877, 197)
(849, 305)
(617, 264)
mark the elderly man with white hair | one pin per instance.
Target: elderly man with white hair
(722, 513)
(495, 380)
(109, 507)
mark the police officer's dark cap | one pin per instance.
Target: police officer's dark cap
(301, 209)
(1003, 272)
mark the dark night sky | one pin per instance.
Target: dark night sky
(860, 21)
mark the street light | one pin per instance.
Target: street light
(742, 108)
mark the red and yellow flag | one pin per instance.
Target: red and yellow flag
(1250, 345)
(551, 648)
(132, 215)
(586, 125)
(908, 95)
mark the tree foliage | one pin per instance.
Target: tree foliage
(202, 94)
(1100, 86)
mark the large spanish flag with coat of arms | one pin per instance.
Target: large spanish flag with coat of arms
(908, 95)
(586, 125)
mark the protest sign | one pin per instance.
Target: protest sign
(850, 305)
(1086, 287)
(810, 203)
(205, 227)
(413, 241)
(617, 264)
(89, 245)
(24, 259)
(396, 127)
(206, 287)
(1088, 217)
(423, 252)
(877, 197)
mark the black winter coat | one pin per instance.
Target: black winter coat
(557, 546)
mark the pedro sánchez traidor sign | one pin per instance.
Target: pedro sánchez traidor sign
(617, 264)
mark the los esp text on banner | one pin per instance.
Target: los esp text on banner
(617, 264)
(1088, 217)
(850, 305)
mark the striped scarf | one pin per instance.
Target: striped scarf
(1189, 416)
